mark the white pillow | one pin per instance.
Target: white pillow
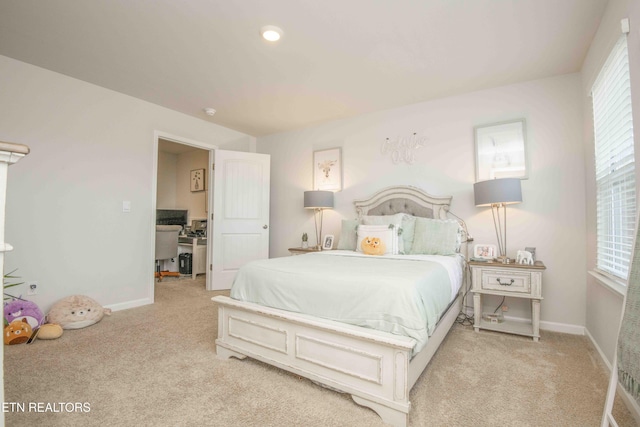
(386, 233)
(397, 220)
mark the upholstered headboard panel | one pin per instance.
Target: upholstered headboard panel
(404, 199)
(394, 206)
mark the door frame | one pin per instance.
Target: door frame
(157, 135)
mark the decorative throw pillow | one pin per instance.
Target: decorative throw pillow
(377, 237)
(435, 236)
(395, 220)
(348, 235)
(408, 230)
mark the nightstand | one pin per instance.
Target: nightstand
(512, 281)
(300, 251)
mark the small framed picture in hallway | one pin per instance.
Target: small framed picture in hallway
(197, 180)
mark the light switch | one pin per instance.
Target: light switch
(126, 206)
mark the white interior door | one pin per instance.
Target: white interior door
(240, 214)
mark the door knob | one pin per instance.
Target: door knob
(265, 226)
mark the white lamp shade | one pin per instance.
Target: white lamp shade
(318, 199)
(496, 191)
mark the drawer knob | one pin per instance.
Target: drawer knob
(504, 284)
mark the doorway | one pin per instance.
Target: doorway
(240, 209)
(177, 162)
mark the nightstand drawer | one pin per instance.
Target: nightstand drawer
(506, 281)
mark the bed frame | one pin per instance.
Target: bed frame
(376, 368)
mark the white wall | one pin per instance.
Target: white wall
(195, 202)
(167, 180)
(91, 148)
(604, 307)
(174, 175)
(551, 218)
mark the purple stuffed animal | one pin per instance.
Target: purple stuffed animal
(20, 309)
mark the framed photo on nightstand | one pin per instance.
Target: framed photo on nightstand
(327, 242)
(486, 252)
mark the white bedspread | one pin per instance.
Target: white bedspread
(400, 294)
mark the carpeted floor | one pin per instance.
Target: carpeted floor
(156, 366)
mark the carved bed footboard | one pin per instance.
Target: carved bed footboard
(374, 367)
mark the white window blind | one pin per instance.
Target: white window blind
(615, 165)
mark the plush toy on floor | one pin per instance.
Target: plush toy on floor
(17, 332)
(22, 309)
(49, 331)
(76, 311)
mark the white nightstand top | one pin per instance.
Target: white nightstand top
(299, 251)
(538, 265)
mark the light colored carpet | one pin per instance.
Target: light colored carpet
(156, 366)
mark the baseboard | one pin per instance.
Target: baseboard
(598, 349)
(130, 304)
(627, 399)
(564, 328)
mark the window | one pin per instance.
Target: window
(615, 165)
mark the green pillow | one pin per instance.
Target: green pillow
(408, 230)
(348, 236)
(435, 237)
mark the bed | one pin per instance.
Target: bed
(376, 367)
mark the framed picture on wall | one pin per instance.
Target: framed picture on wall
(327, 170)
(197, 180)
(501, 150)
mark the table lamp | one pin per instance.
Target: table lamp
(318, 201)
(498, 193)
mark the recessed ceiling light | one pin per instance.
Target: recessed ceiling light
(209, 111)
(271, 33)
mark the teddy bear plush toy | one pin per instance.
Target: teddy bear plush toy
(76, 311)
(372, 246)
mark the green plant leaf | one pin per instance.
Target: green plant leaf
(6, 284)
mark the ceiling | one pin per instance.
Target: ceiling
(337, 59)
